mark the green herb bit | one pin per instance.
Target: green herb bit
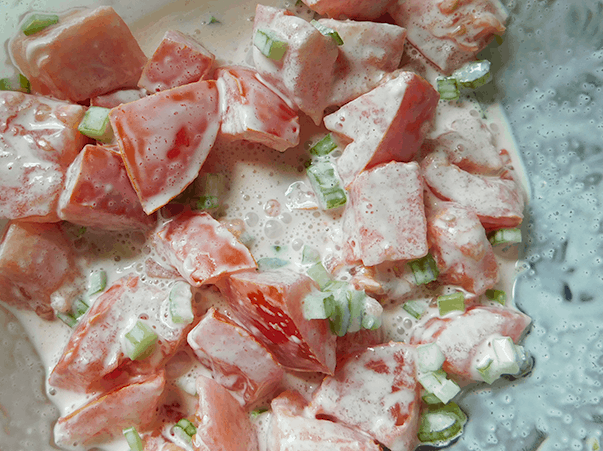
(18, 83)
(415, 308)
(441, 424)
(181, 303)
(326, 31)
(451, 302)
(140, 341)
(324, 147)
(96, 125)
(270, 45)
(448, 87)
(267, 263)
(319, 274)
(188, 427)
(326, 184)
(497, 295)
(38, 22)
(424, 269)
(97, 282)
(505, 236)
(257, 412)
(133, 439)
(213, 20)
(310, 255)
(207, 203)
(473, 75)
(67, 318)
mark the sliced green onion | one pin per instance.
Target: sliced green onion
(473, 75)
(451, 302)
(187, 427)
(270, 45)
(424, 269)
(356, 303)
(327, 31)
(16, 83)
(319, 274)
(38, 22)
(79, 308)
(415, 308)
(448, 87)
(181, 303)
(310, 255)
(97, 282)
(371, 314)
(430, 357)
(326, 184)
(140, 341)
(441, 424)
(504, 358)
(497, 295)
(133, 439)
(341, 318)
(257, 412)
(271, 263)
(96, 125)
(324, 147)
(430, 398)
(505, 236)
(318, 305)
(437, 382)
(207, 203)
(67, 318)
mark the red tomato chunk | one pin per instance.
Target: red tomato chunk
(87, 54)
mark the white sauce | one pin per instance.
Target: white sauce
(258, 182)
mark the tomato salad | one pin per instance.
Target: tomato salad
(358, 327)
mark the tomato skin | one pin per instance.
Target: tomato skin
(385, 218)
(98, 193)
(450, 33)
(269, 304)
(460, 336)
(87, 54)
(222, 424)
(104, 418)
(201, 249)
(177, 61)
(36, 260)
(385, 124)
(238, 360)
(253, 112)
(374, 390)
(165, 138)
(459, 244)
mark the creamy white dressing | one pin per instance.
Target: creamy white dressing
(259, 180)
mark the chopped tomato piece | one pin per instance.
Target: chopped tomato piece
(201, 249)
(460, 337)
(252, 111)
(451, 32)
(304, 72)
(165, 138)
(385, 218)
(459, 244)
(269, 304)
(221, 422)
(385, 124)
(375, 391)
(88, 53)
(104, 418)
(469, 145)
(98, 193)
(93, 357)
(116, 98)
(239, 361)
(355, 342)
(497, 202)
(178, 60)
(36, 260)
(291, 431)
(350, 9)
(38, 141)
(370, 50)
